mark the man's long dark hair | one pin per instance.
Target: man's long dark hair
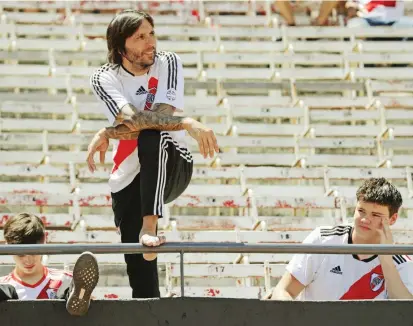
(122, 26)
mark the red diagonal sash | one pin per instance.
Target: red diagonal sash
(125, 148)
(367, 287)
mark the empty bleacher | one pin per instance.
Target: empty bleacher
(302, 114)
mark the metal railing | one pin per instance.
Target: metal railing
(205, 247)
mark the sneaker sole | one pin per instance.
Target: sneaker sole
(85, 279)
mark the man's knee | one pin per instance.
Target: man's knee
(148, 141)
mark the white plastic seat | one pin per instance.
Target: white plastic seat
(243, 112)
(242, 46)
(29, 170)
(344, 115)
(24, 70)
(34, 17)
(47, 30)
(279, 159)
(337, 160)
(36, 107)
(335, 101)
(383, 73)
(231, 20)
(36, 125)
(335, 142)
(31, 157)
(311, 73)
(24, 82)
(239, 73)
(268, 129)
(361, 131)
(44, 44)
(321, 46)
(258, 101)
(386, 46)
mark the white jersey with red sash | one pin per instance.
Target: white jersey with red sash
(343, 277)
(383, 10)
(52, 285)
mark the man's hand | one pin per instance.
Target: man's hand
(99, 144)
(205, 137)
(385, 233)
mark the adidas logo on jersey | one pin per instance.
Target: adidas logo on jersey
(336, 270)
(141, 91)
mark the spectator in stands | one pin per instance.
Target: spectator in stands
(30, 280)
(353, 277)
(286, 11)
(378, 13)
(140, 90)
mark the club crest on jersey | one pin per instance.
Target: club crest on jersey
(376, 281)
(52, 293)
(152, 88)
(171, 94)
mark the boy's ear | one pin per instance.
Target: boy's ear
(393, 218)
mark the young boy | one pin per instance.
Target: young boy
(30, 280)
(353, 277)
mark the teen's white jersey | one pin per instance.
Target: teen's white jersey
(115, 87)
(383, 10)
(343, 277)
(52, 285)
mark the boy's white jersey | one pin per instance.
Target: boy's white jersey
(52, 285)
(343, 277)
(384, 10)
(116, 87)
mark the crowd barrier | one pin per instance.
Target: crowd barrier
(210, 311)
(205, 247)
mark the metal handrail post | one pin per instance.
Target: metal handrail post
(182, 276)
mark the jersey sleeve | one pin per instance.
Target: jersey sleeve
(406, 274)
(305, 266)
(108, 92)
(63, 291)
(7, 292)
(171, 81)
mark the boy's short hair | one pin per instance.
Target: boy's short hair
(380, 191)
(24, 228)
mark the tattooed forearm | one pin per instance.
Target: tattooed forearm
(121, 132)
(141, 120)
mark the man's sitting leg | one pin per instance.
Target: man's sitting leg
(166, 171)
(153, 159)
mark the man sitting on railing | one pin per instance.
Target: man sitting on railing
(30, 280)
(140, 90)
(353, 277)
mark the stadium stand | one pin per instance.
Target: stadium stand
(303, 115)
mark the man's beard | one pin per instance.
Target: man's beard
(138, 62)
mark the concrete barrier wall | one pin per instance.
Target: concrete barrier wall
(211, 312)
